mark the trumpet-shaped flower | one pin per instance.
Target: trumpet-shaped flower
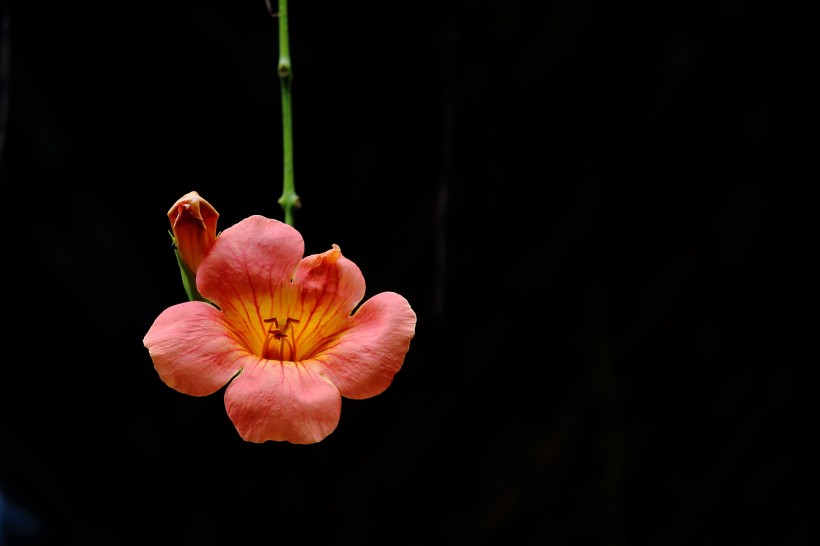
(284, 333)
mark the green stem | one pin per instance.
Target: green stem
(289, 199)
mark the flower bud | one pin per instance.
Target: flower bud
(193, 223)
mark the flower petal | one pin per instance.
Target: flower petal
(249, 260)
(248, 273)
(283, 401)
(329, 282)
(363, 362)
(192, 349)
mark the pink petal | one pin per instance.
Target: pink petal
(329, 282)
(367, 356)
(192, 350)
(249, 261)
(283, 401)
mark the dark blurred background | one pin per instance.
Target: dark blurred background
(598, 210)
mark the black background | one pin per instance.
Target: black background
(598, 210)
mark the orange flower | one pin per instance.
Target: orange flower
(193, 223)
(286, 333)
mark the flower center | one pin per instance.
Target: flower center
(276, 340)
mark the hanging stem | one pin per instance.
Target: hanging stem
(289, 199)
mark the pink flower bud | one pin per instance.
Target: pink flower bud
(193, 223)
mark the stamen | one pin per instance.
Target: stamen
(280, 335)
